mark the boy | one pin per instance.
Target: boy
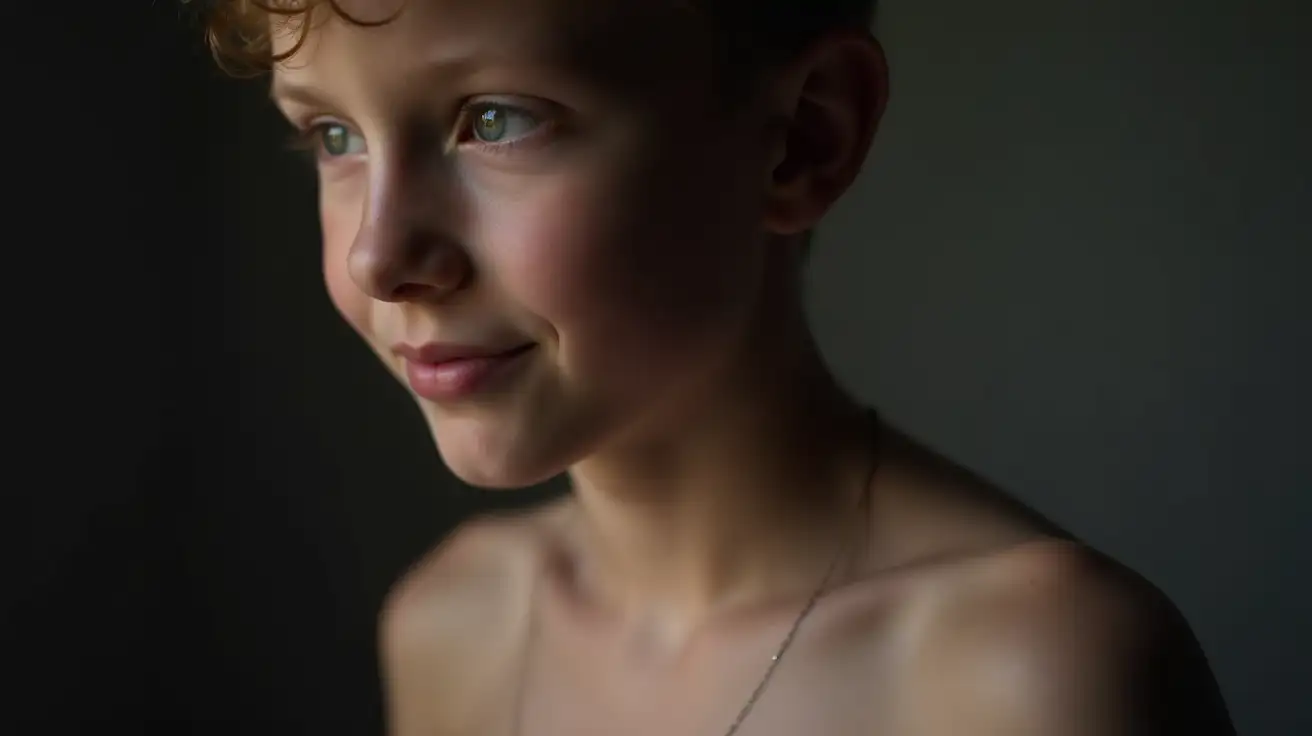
(575, 230)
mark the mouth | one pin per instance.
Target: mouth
(448, 373)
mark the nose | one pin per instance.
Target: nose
(405, 249)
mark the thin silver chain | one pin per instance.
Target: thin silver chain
(783, 647)
(820, 590)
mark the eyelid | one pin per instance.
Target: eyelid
(535, 106)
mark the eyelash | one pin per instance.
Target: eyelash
(309, 139)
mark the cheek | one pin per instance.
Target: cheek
(340, 222)
(636, 268)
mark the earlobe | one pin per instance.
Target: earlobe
(838, 92)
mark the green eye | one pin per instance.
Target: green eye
(491, 125)
(494, 123)
(338, 140)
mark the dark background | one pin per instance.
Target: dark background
(1077, 262)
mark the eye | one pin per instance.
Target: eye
(327, 140)
(335, 140)
(494, 123)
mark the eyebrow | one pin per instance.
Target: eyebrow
(438, 66)
(595, 59)
(280, 91)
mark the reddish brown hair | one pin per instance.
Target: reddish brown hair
(239, 31)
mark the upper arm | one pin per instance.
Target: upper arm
(1063, 642)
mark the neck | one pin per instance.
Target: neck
(746, 492)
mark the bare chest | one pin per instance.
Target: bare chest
(807, 694)
(837, 677)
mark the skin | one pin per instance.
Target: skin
(645, 238)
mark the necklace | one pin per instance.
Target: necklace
(819, 592)
(811, 602)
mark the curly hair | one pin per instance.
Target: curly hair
(239, 32)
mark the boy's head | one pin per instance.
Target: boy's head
(762, 32)
(561, 182)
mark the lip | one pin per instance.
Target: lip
(444, 372)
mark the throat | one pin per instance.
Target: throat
(664, 566)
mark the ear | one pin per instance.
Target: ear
(827, 104)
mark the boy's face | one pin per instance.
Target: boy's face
(545, 173)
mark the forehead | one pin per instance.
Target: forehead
(633, 42)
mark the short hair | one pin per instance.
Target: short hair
(751, 32)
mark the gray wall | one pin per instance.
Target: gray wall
(1078, 262)
(1074, 263)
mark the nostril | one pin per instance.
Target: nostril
(431, 286)
(411, 292)
(398, 263)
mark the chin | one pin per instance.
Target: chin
(491, 476)
(495, 455)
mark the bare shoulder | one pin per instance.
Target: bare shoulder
(476, 565)
(451, 628)
(1049, 636)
